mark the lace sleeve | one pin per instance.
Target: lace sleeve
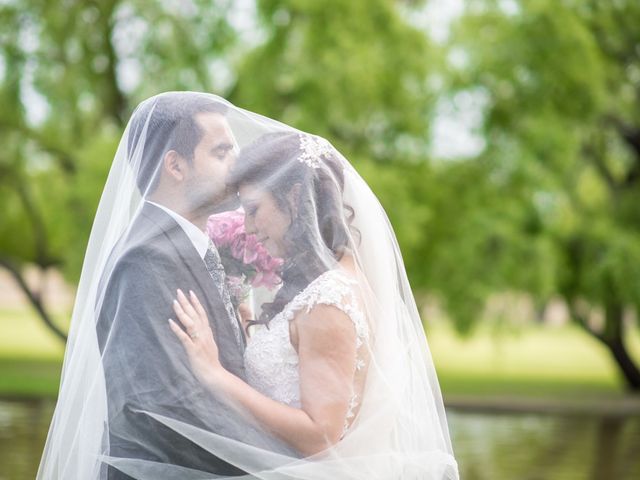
(339, 290)
(336, 289)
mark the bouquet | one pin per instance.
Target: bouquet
(246, 261)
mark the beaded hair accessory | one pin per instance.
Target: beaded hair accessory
(313, 148)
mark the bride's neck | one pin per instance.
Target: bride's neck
(348, 262)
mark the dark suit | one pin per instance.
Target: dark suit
(146, 367)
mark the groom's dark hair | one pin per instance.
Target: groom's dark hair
(171, 125)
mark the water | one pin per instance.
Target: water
(488, 446)
(546, 447)
(23, 431)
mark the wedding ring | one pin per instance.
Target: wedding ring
(194, 335)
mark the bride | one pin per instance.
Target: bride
(306, 364)
(336, 380)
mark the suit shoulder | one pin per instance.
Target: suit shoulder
(143, 258)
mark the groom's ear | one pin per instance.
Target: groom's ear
(173, 165)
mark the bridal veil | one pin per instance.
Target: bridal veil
(129, 405)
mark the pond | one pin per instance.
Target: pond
(488, 446)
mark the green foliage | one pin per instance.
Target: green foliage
(69, 78)
(356, 73)
(351, 71)
(549, 206)
(562, 155)
(63, 63)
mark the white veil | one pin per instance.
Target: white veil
(130, 405)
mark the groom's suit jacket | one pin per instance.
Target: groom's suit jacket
(145, 366)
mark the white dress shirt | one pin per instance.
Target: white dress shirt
(199, 238)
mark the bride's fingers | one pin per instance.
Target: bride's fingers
(184, 318)
(186, 306)
(183, 337)
(198, 306)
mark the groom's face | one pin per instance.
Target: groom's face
(213, 157)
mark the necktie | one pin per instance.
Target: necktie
(216, 271)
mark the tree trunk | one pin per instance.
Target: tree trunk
(607, 448)
(34, 298)
(613, 339)
(627, 366)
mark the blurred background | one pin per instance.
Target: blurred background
(502, 137)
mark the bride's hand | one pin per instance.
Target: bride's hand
(197, 337)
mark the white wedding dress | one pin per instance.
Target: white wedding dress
(271, 362)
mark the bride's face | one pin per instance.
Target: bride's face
(264, 218)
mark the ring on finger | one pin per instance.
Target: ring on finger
(193, 334)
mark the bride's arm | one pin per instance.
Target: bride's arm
(326, 348)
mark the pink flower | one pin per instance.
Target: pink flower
(266, 279)
(246, 261)
(251, 249)
(222, 228)
(237, 287)
(238, 246)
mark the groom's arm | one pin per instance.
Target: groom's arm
(146, 367)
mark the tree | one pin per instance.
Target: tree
(355, 72)
(562, 83)
(67, 85)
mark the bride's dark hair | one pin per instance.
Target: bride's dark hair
(320, 231)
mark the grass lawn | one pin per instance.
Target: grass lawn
(20, 377)
(30, 356)
(24, 336)
(558, 362)
(539, 361)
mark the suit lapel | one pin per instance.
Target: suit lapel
(188, 255)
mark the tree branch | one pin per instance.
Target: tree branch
(39, 231)
(581, 320)
(117, 102)
(65, 159)
(631, 136)
(598, 162)
(33, 297)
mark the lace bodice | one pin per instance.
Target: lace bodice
(271, 362)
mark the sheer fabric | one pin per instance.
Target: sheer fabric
(131, 404)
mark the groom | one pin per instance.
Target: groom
(182, 148)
